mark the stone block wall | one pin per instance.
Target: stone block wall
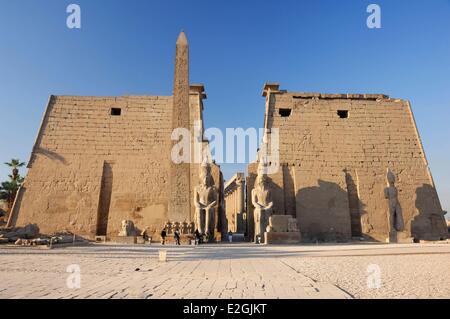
(334, 153)
(89, 169)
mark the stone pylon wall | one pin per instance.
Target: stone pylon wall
(78, 137)
(336, 163)
(66, 185)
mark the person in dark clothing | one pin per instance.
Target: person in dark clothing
(144, 235)
(230, 236)
(197, 236)
(176, 234)
(163, 236)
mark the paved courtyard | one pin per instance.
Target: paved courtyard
(227, 271)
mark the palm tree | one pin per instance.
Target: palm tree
(8, 191)
(15, 164)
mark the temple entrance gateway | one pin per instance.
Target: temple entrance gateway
(326, 168)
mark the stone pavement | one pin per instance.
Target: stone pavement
(212, 271)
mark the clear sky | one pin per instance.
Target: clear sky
(127, 48)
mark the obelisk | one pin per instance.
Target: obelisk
(180, 193)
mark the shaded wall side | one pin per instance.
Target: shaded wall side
(322, 205)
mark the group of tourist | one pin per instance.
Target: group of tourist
(176, 235)
(198, 238)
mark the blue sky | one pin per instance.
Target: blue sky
(127, 48)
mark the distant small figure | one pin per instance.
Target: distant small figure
(176, 234)
(191, 227)
(169, 226)
(197, 237)
(184, 228)
(163, 236)
(230, 236)
(144, 235)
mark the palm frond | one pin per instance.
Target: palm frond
(15, 163)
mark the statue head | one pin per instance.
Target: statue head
(204, 180)
(262, 171)
(205, 175)
(261, 180)
(390, 177)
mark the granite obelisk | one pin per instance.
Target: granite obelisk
(179, 192)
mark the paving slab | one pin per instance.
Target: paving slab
(225, 271)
